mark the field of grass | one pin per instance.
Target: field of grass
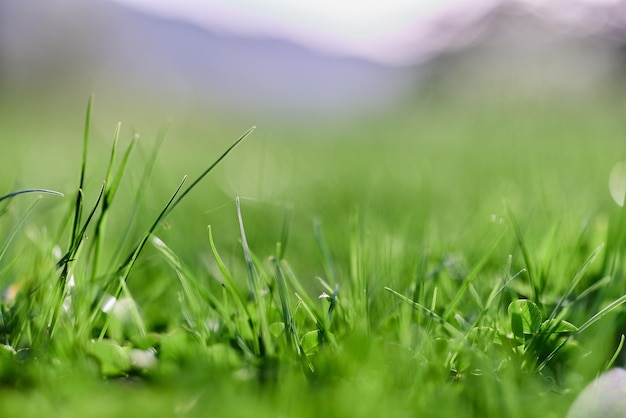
(453, 258)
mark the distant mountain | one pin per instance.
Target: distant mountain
(515, 50)
(95, 45)
(58, 46)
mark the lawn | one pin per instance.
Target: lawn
(452, 257)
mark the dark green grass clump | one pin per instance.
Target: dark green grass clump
(105, 318)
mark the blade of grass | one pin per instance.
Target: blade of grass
(606, 310)
(419, 283)
(559, 312)
(429, 312)
(358, 278)
(109, 173)
(323, 329)
(326, 259)
(281, 246)
(291, 333)
(470, 278)
(78, 205)
(61, 289)
(109, 194)
(45, 191)
(320, 319)
(498, 290)
(229, 283)
(17, 227)
(527, 258)
(618, 350)
(124, 271)
(333, 304)
(126, 267)
(143, 185)
(257, 287)
(574, 282)
(134, 311)
(592, 288)
(210, 168)
(79, 237)
(197, 295)
(175, 201)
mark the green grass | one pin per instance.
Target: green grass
(446, 260)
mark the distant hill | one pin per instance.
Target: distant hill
(98, 45)
(515, 51)
(63, 46)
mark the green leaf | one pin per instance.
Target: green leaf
(555, 326)
(277, 328)
(525, 317)
(310, 342)
(113, 359)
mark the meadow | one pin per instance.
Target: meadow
(447, 257)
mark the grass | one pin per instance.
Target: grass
(446, 261)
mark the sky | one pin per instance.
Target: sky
(379, 30)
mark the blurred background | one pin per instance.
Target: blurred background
(427, 113)
(284, 60)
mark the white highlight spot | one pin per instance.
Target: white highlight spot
(109, 304)
(617, 182)
(57, 253)
(143, 359)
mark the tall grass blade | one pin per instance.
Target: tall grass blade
(17, 227)
(45, 191)
(577, 277)
(116, 136)
(470, 278)
(197, 296)
(61, 289)
(257, 288)
(419, 283)
(358, 279)
(333, 304)
(143, 185)
(229, 283)
(124, 270)
(618, 350)
(78, 205)
(326, 259)
(80, 234)
(598, 316)
(527, 258)
(112, 182)
(127, 266)
(291, 333)
(281, 247)
(320, 319)
(211, 167)
(429, 312)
